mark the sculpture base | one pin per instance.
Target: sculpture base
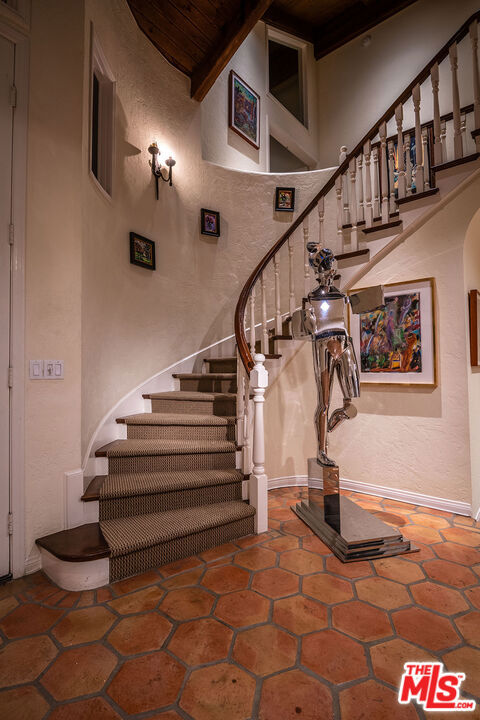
(351, 532)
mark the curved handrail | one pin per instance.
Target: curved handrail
(241, 340)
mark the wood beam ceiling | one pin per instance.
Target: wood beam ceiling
(278, 18)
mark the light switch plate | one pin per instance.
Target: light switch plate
(36, 369)
(53, 370)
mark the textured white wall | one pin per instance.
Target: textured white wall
(407, 438)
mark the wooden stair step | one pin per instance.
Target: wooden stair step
(417, 196)
(385, 226)
(190, 396)
(80, 544)
(92, 491)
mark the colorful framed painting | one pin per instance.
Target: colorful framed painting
(396, 344)
(142, 251)
(285, 199)
(244, 110)
(474, 310)
(210, 222)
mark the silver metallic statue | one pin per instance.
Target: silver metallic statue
(322, 317)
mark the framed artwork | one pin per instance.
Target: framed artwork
(244, 110)
(210, 222)
(285, 199)
(396, 345)
(142, 251)
(474, 308)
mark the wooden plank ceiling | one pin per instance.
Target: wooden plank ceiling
(199, 37)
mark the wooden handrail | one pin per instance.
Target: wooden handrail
(241, 340)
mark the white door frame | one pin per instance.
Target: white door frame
(19, 183)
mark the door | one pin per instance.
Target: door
(7, 68)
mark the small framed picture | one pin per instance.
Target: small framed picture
(210, 222)
(142, 251)
(244, 110)
(285, 199)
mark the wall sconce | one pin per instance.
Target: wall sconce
(159, 170)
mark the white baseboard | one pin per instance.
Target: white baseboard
(453, 506)
(477, 515)
(33, 563)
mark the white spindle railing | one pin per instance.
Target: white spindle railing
(382, 131)
(457, 129)
(339, 193)
(258, 478)
(291, 277)
(278, 314)
(376, 183)
(437, 137)
(361, 206)
(419, 177)
(306, 265)
(402, 186)
(476, 79)
(367, 151)
(264, 342)
(252, 320)
(352, 174)
(408, 164)
(391, 176)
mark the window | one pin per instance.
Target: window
(101, 118)
(285, 77)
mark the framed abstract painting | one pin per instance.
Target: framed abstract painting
(284, 199)
(244, 110)
(210, 222)
(396, 344)
(142, 251)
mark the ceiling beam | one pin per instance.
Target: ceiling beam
(281, 20)
(348, 25)
(236, 31)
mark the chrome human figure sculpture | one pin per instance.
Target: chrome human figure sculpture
(322, 317)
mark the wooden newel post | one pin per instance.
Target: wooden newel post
(258, 479)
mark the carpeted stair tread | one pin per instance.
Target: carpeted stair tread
(205, 376)
(176, 419)
(134, 484)
(191, 396)
(142, 448)
(127, 535)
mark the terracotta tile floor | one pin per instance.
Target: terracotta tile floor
(271, 627)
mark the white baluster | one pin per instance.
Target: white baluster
(338, 193)
(291, 279)
(361, 208)
(352, 174)
(391, 175)
(457, 130)
(437, 145)
(419, 176)
(408, 164)
(241, 381)
(264, 342)
(346, 213)
(367, 151)
(258, 478)
(443, 139)
(382, 131)
(252, 320)
(321, 218)
(278, 314)
(476, 79)
(306, 265)
(402, 185)
(463, 128)
(426, 159)
(376, 183)
(247, 430)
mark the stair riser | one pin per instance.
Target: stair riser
(222, 366)
(137, 562)
(168, 463)
(181, 432)
(209, 385)
(112, 509)
(193, 407)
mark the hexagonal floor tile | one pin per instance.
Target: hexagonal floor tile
(214, 692)
(462, 536)
(296, 527)
(282, 543)
(275, 583)
(395, 568)
(421, 534)
(201, 641)
(334, 656)
(314, 544)
(191, 577)
(465, 660)
(384, 593)
(388, 659)
(427, 520)
(180, 566)
(458, 553)
(474, 596)
(301, 562)
(375, 701)
(469, 626)
(79, 671)
(140, 633)
(137, 581)
(327, 589)
(264, 650)
(243, 608)
(294, 694)
(29, 620)
(140, 601)
(299, 614)
(226, 579)
(187, 603)
(23, 660)
(361, 621)
(219, 552)
(449, 573)
(23, 703)
(348, 570)
(424, 628)
(93, 709)
(256, 558)
(7, 605)
(146, 683)
(436, 597)
(82, 626)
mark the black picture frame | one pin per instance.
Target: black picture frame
(210, 222)
(284, 199)
(142, 247)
